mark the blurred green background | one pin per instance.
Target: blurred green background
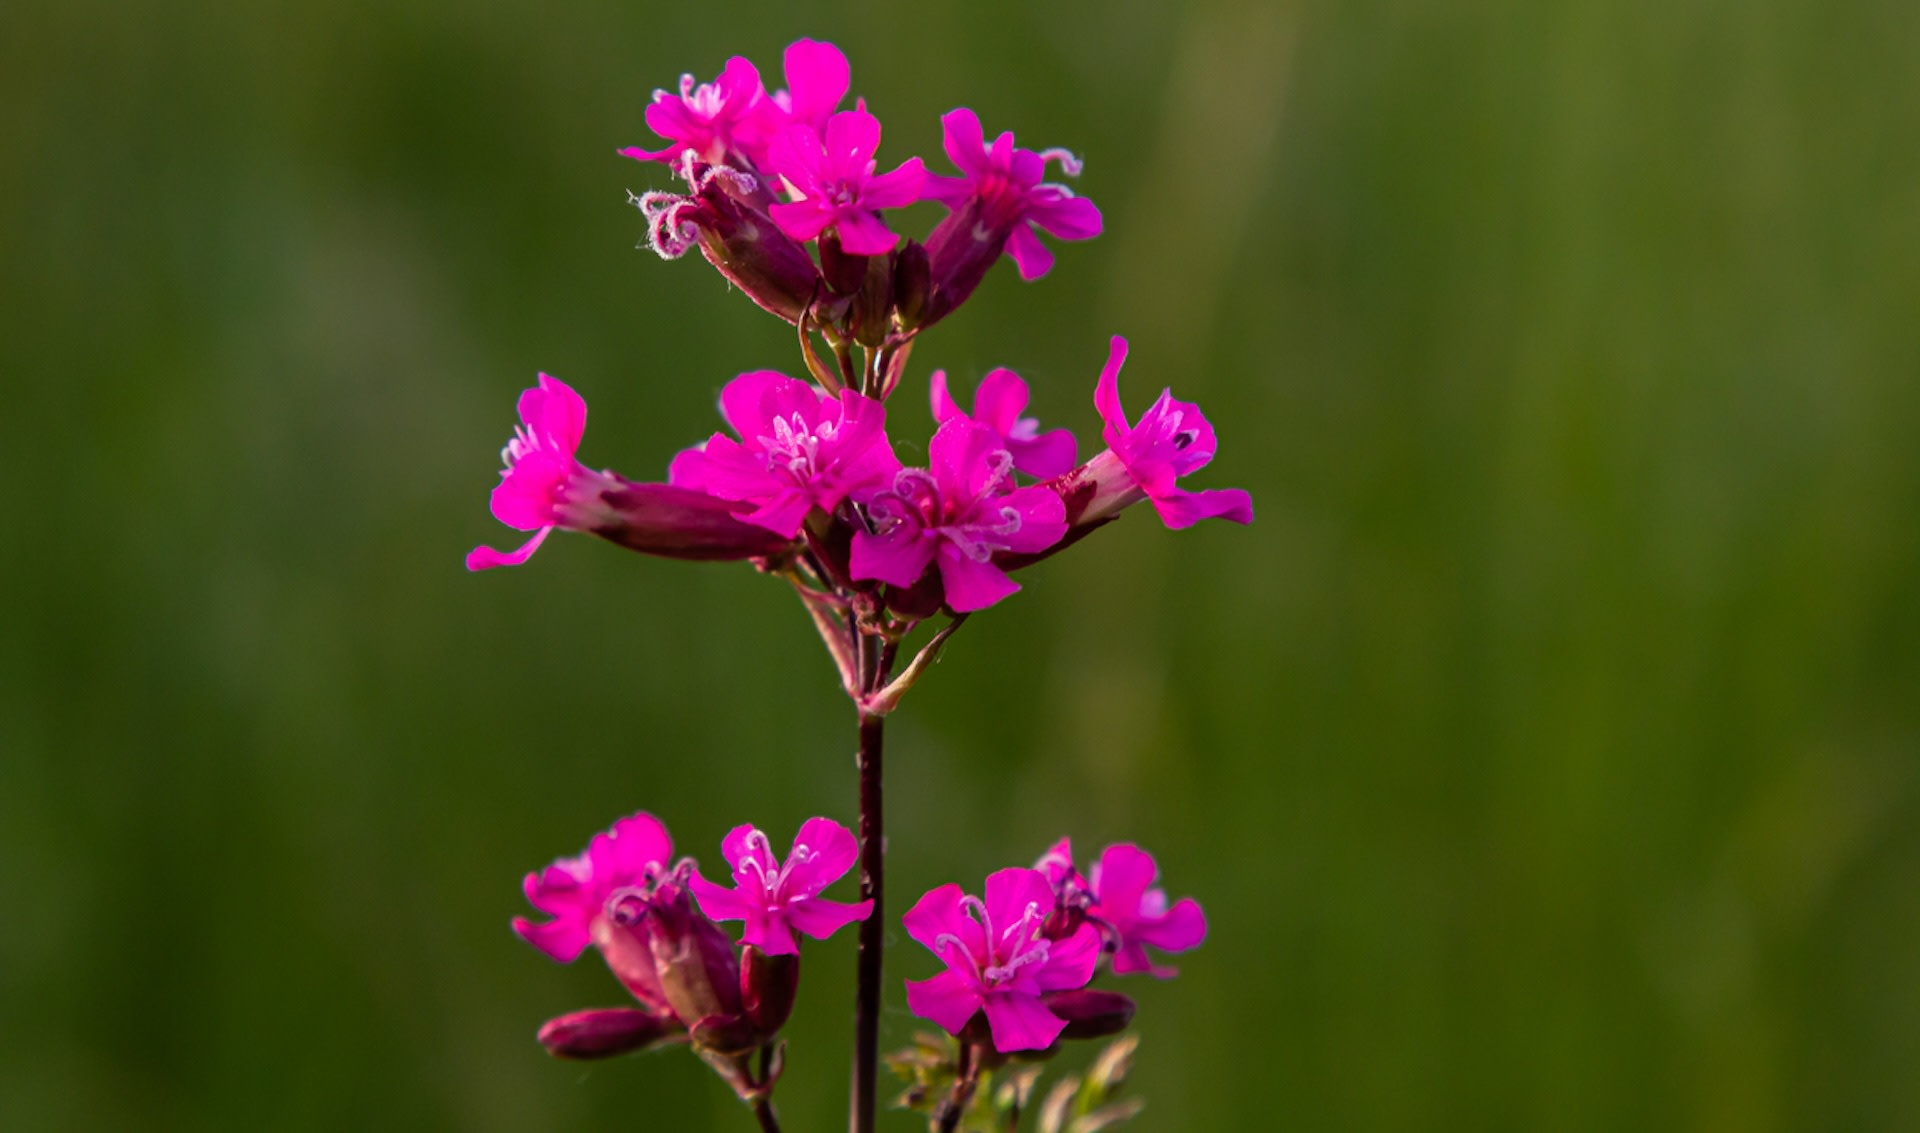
(1545, 755)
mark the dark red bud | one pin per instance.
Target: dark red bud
(912, 283)
(744, 244)
(725, 1034)
(768, 985)
(872, 316)
(678, 523)
(607, 1031)
(844, 273)
(960, 249)
(698, 969)
(1090, 1014)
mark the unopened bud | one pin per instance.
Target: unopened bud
(699, 972)
(768, 985)
(844, 272)
(1090, 1014)
(960, 249)
(607, 1031)
(745, 245)
(676, 523)
(912, 283)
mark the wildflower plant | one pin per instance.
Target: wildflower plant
(783, 192)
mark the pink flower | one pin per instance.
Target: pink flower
(774, 899)
(574, 891)
(799, 449)
(717, 122)
(998, 960)
(997, 405)
(545, 486)
(833, 185)
(1005, 183)
(1143, 461)
(958, 515)
(1135, 911)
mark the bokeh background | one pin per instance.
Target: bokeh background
(1546, 755)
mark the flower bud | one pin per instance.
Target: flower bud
(607, 1031)
(844, 271)
(676, 523)
(744, 245)
(698, 970)
(960, 249)
(1090, 1014)
(912, 283)
(768, 985)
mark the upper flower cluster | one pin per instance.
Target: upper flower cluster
(769, 172)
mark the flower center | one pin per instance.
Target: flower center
(1019, 945)
(754, 866)
(795, 446)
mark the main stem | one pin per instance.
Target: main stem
(873, 663)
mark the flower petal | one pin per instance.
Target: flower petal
(486, 558)
(1071, 962)
(972, 585)
(1033, 258)
(1021, 1022)
(1011, 891)
(1180, 508)
(1183, 927)
(1125, 873)
(947, 1001)
(1053, 453)
(944, 408)
(862, 233)
(817, 79)
(831, 851)
(820, 918)
(965, 142)
(1106, 395)
(899, 558)
(940, 912)
(720, 903)
(999, 401)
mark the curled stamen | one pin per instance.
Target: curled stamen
(1070, 164)
(627, 906)
(946, 938)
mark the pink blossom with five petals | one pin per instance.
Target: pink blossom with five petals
(998, 959)
(959, 515)
(831, 180)
(717, 122)
(798, 449)
(541, 467)
(1144, 460)
(776, 898)
(998, 405)
(1136, 913)
(1006, 181)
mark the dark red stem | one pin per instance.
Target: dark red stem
(875, 663)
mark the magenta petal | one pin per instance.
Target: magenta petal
(770, 934)
(862, 233)
(1106, 395)
(554, 414)
(972, 585)
(817, 79)
(1050, 454)
(1071, 962)
(820, 918)
(486, 558)
(795, 154)
(944, 408)
(563, 940)
(1071, 218)
(938, 912)
(1125, 873)
(744, 401)
(1000, 399)
(783, 515)
(689, 469)
(1021, 1022)
(719, 902)
(1043, 518)
(740, 845)
(899, 559)
(1183, 927)
(831, 851)
(1180, 508)
(629, 848)
(964, 141)
(1010, 891)
(1131, 958)
(801, 220)
(897, 189)
(947, 1001)
(1033, 258)
(850, 139)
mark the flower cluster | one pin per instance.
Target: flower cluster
(1019, 962)
(653, 924)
